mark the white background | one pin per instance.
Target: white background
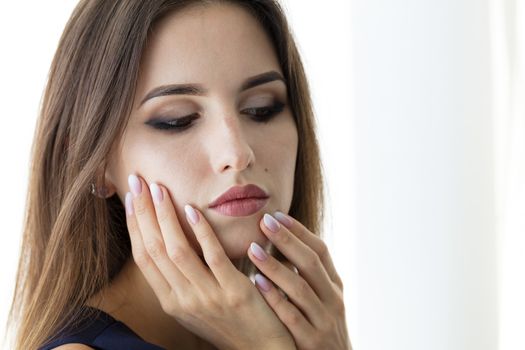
(29, 34)
(421, 126)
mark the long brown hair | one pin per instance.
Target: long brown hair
(65, 255)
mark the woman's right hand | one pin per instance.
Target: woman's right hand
(219, 304)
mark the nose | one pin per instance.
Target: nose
(229, 147)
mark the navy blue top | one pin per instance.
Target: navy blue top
(102, 332)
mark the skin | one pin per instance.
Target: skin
(218, 46)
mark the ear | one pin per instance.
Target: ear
(104, 186)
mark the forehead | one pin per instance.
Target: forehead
(216, 45)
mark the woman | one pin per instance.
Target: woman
(170, 113)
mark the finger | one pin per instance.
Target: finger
(154, 242)
(146, 265)
(313, 241)
(150, 232)
(295, 287)
(288, 313)
(171, 236)
(301, 255)
(214, 254)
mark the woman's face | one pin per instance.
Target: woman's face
(218, 47)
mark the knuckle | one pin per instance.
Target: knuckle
(189, 305)
(302, 289)
(162, 216)
(280, 304)
(142, 259)
(272, 265)
(292, 317)
(177, 255)
(312, 260)
(339, 306)
(168, 306)
(238, 299)
(301, 233)
(203, 234)
(155, 248)
(210, 304)
(283, 237)
(323, 250)
(132, 226)
(339, 282)
(217, 300)
(215, 259)
(139, 207)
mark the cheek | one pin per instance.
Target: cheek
(155, 161)
(180, 198)
(282, 150)
(159, 158)
(281, 157)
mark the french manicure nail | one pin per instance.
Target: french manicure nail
(258, 251)
(156, 192)
(134, 185)
(191, 214)
(283, 219)
(262, 282)
(128, 202)
(271, 223)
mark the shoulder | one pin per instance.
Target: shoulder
(73, 346)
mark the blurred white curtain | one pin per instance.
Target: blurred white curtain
(422, 99)
(508, 37)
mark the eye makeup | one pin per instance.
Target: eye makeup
(258, 114)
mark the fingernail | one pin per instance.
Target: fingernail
(262, 282)
(283, 219)
(156, 192)
(134, 184)
(271, 223)
(191, 214)
(258, 251)
(128, 202)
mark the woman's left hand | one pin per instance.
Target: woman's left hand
(315, 311)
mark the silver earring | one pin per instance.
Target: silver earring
(101, 192)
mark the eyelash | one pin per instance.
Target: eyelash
(261, 115)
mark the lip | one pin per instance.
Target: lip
(241, 207)
(240, 201)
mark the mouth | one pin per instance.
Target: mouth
(241, 206)
(240, 201)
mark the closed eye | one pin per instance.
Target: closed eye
(259, 114)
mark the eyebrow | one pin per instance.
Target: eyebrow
(199, 90)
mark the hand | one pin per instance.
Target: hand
(219, 303)
(316, 314)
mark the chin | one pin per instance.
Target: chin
(237, 241)
(235, 236)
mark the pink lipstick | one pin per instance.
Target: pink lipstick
(240, 201)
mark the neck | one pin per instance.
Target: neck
(130, 299)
